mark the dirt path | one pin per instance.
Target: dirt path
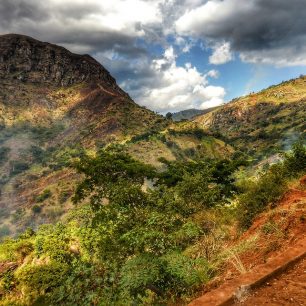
(287, 289)
(275, 265)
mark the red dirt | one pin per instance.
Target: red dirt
(278, 230)
(287, 289)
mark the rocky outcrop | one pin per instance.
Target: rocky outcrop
(29, 60)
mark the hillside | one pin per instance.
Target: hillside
(266, 256)
(264, 123)
(46, 85)
(54, 105)
(188, 114)
(104, 202)
(129, 245)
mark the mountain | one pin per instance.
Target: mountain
(54, 105)
(152, 227)
(188, 114)
(44, 84)
(264, 123)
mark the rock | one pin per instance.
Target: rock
(29, 60)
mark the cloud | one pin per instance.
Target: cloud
(271, 32)
(133, 39)
(221, 54)
(167, 87)
(83, 26)
(213, 73)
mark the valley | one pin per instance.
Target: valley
(105, 202)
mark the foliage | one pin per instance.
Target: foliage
(169, 116)
(43, 196)
(37, 280)
(18, 167)
(295, 162)
(135, 246)
(36, 209)
(256, 194)
(4, 155)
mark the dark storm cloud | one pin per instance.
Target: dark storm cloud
(268, 24)
(13, 11)
(258, 29)
(65, 24)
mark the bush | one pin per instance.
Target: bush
(295, 162)
(141, 273)
(4, 231)
(18, 167)
(64, 196)
(185, 274)
(259, 193)
(36, 209)
(270, 186)
(43, 196)
(37, 280)
(3, 155)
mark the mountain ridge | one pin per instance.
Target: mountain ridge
(30, 60)
(53, 109)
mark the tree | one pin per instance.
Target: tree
(169, 116)
(139, 232)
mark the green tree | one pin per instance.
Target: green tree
(169, 116)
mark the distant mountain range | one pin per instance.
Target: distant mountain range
(190, 113)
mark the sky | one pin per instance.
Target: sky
(171, 55)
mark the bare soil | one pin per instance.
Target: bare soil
(288, 288)
(277, 231)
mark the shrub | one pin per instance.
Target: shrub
(295, 162)
(4, 231)
(64, 196)
(184, 274)
(14, 250)
(43, 196)
(36, 209)
(257, 194)
(141, 273)
(37, 280)
(37, 153)
(4, 155)
(18, 167)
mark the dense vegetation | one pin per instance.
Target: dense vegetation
(135, 245)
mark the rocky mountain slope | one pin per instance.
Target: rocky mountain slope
(261, 123)
(44, 84)
(54, 105)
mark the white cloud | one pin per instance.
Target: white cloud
(213, 73)
(121, 15)
(221, 54)
(184, 44)
(174, 88)
(205, 18)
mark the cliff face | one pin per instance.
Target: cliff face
(25, 59)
